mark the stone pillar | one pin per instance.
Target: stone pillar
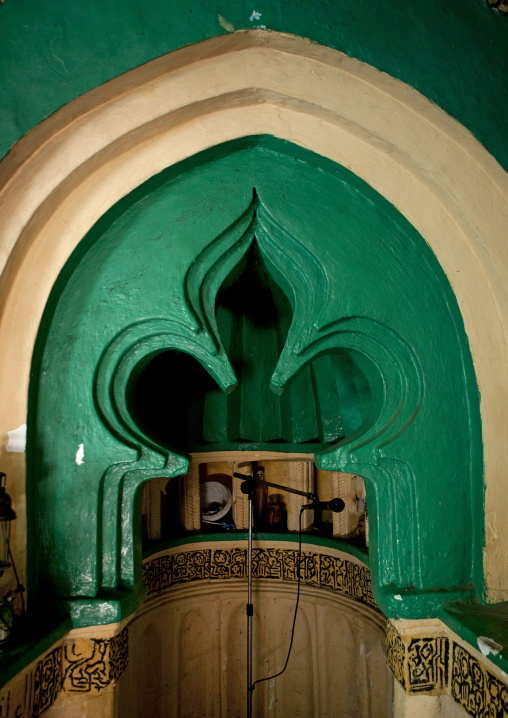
(240, 501)
(190, 504)
(301, 477)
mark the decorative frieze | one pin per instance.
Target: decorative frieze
(47, 681)
(337, 574)
(479, 692)
(80, 665)
(94, 664)
(395, 654)
(437, 665)
(427, 662)
(35, 690)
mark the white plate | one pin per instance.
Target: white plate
(210, 493)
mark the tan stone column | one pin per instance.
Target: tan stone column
(300, 476)
(190, 504)
(240, 501)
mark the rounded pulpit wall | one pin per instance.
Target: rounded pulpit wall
(195, 615)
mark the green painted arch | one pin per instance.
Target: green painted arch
(252, 332)
(454, 52)
(359, 278)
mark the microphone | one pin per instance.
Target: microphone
(336, 505)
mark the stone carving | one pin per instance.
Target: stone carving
(190, 566)
(94, 664)
(85, 666)
(228, 563)
(336, 574)
(438, 665)
(474, 688)
(118, 655)
(39, 689)
(395, 654)
(427, 660)
(81, 665)
(47, 681)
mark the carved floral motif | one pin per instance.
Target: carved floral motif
(428, 664)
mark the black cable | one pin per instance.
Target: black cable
(268, 678)
(19, 587)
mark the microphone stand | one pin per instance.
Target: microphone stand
(248, 487)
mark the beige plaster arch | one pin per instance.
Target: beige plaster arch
(63, 175)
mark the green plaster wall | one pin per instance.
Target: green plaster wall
(358, 278)
(454, 52)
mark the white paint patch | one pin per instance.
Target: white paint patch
(225, 24)
(256, 15)
(17, 440)
(361, 649)
(80, 455)
(505, 675)
(488, 645)
(398, 597)
(272, 696)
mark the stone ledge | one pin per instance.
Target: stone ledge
(427, 658)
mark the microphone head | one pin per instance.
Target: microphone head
(337, 505)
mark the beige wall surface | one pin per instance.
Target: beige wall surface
(68, 171)
(407, 706)
(188, 657)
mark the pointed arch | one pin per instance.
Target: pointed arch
(68, 171)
